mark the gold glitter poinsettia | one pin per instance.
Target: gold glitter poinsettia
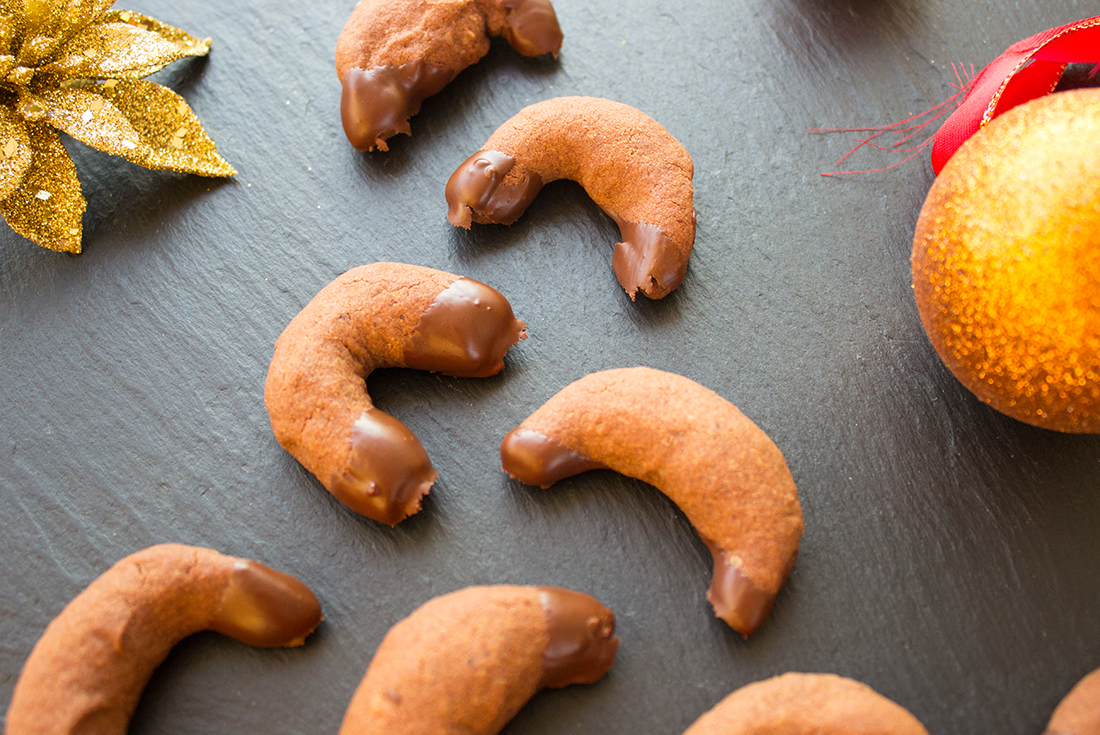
(77, 66)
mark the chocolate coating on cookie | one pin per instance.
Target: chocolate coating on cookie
(627, 162)
(724, 473)
(481, 187)
(377, 316)
(376, 104)
(807, 704)
(1079, 712)
(87, 671)
(537, 459)
(1006, 263)
(736, 598)
(393, 54)
(581, 645)
(466, 662)
(465, 332)
(387, 471)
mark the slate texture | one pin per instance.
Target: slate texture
(950, 555)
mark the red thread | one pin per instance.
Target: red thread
(907, 129)
(1028, 69)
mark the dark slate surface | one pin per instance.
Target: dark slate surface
(950, 554)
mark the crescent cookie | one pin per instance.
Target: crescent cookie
(377, 316)
(466, 662)
(87, 671)
(393, 54)
(723, 472)
(807, 704)
(1079, 712)
(627, 162)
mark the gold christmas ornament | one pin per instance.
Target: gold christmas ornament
(1006, 263)
(77, 66)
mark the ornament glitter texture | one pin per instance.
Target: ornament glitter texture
(77, 66)
(1006, 263)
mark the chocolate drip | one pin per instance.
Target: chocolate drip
(531, 26)
(387, 472)
(647, 260)
(476, 191)
(536, 459)
(736, 598)
(582, 645)
(376, 104)
(465, 332)
(264, 607)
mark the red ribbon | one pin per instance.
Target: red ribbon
(1027, 70)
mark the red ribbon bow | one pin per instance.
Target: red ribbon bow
(1028, 69)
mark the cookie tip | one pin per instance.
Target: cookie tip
(387, 471)
(647, 260)
(581, 638)
(266, 608)
(376, 104)
(466, 331)
(736, 599)
(477, 190)
(534, 458)
(532, 28)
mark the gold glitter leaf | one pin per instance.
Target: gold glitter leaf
(37, 31)
(100, 125)
(8, 28)
(49, 24)
(15, 151)
(118, 51)
(173, 136)
(41, 12)
(76, 14)
(76, 65)
(39, 16)
(47, 206)
(143, 122)
(31, 107)
(197, 46)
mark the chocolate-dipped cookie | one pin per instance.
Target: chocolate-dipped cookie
(376, 316)
(393, 54)
(807, 704)
(466, 662)
(87, 671)
(627, 162)
(723, 472)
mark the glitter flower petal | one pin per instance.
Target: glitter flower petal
(75, 14)
(147, 23)
(9, 27)
(75, 65)
(46, 25)
(141, 121)
(47, 205)
(15, 151)
(118, 51)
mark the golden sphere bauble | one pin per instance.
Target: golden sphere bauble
(1006, 262)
